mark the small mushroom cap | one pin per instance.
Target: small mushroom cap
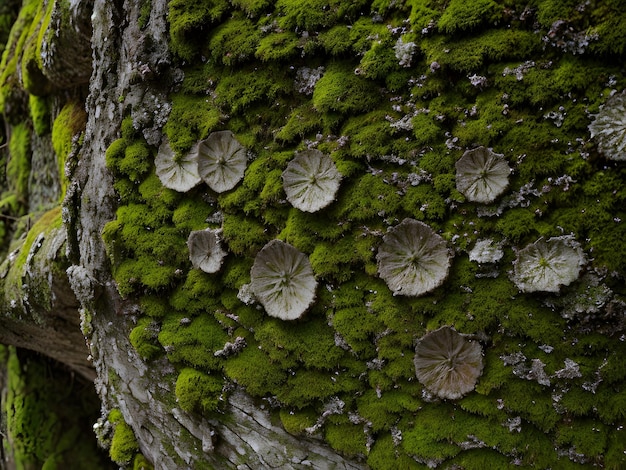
(311, 180)
(482, 175)
(546, 265)
(221, 161)
(205, 250)
(413, 259)
(282, 280)
(177, 173)
(608, 128)
(447, 363)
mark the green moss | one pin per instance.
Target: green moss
(277, 46)
(256, 372)
(252, 7)
(370, 134)
(187, 21)
(48, 415)
(68, 124)
(297, 421)
(341, 90)
(311, 343)
(137, 161)
(141, 463)
(244, 235)
(235, 92)
(9, 78)
(192, 119)
(349, 439)
(144, 338)
(192, 341)
(370, 197)
(40, 114)
(197, 293)
(18, 166)
(197, 392)
(460, 16)
(384, 411)
(235, 41)
(123, 444)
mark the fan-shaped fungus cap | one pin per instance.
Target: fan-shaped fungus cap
(546, 265)
(282, 280)
(413, 259)
(482, 175)
(447, 363)
(205, 250)
(311, 180)
(221, 161)
(179, 173)
(609, 127)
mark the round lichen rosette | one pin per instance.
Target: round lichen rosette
(413, 259)
(311, 180)
(282, 279)
(608, 128)
(546, 265)
(447, 363)
(177, 172)
(482, 175)
(205, 250)
(222, 161)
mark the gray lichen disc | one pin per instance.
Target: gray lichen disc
(482, 175)
(282, 280)
(447, 363)
(221, 161)
(179, 174)
(413, 259)
(205, 250)
(546, 265)
(311, 180)
(608, 128)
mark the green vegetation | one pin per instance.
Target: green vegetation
(395, 93)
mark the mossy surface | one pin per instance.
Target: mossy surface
(48, 416)
(395, 94)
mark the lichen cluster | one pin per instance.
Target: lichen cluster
(394, 93)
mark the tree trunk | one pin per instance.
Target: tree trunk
(190, 369)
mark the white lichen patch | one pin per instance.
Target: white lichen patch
(282, 280)
(546, 265)
(413, 259)
(222, 161)
(205, 250)
(447, 363)
(177, 172)
(486, 251)
(608, 128)
(311, 180)
(482, 175)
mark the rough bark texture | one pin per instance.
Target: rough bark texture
(189, 369)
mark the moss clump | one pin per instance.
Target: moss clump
(144, 338)
(193, 341)
(66, 128)
(40, 114)
(459, 16)
(349, 439)
(48, 415)
(123, 444)
(197, 392)
(18, 166)
(341, 90)
(187, 21)
(297, 421)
